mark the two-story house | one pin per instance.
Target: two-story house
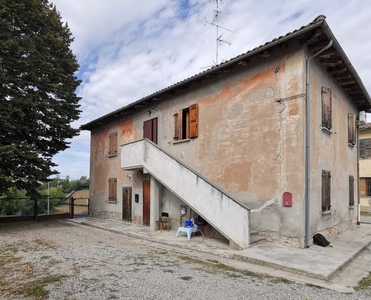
(265, 142)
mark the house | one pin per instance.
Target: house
(265, 143)
(365, 166)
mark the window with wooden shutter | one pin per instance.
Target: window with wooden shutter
(365, 148)
(368, 187)
(326, 190)
(362, 187)
(351, 190)
(326, 108)
(112, 145)
(352, 129)
(193, 111)
(112, 189)
(186, 123)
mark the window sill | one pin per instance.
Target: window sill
(111, 155)
(326, 130)
(181, 141)
(351, 145)
(112, 201)
(327, 212)
(351, 207)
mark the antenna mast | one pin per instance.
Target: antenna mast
(215, 23)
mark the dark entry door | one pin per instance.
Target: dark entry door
(150, 130)
(126, 203)
(146, 202)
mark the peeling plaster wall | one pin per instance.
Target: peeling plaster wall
(331, 152)
(248, 143)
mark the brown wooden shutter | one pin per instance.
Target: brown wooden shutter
(362, 187)
(326, 108)
(367, 152)
(112, 189)
(193, 109)
(178, 125)
(326, 190)
(352, 129)
(362, 148)
(112, 147)
(351, 190)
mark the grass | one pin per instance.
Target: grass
(365, 214)
(364, 283)
(186, 278)
(37, 288)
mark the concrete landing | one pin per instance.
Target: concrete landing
(318, 262)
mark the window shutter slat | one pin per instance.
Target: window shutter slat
(193, 110)
(176, 127)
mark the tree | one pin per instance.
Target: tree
(37, 92)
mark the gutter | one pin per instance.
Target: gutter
(307, 145)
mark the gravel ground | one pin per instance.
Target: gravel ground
(57, 260)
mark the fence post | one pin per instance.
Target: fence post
(72, 205)
(35, 208)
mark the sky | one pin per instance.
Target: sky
(128, 49)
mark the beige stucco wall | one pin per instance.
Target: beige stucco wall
(331, 152)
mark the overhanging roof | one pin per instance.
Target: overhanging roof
(316, 34)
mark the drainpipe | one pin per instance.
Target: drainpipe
(307, 146)
(358, 195)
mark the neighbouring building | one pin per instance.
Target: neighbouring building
(265, 143)
(365, 166)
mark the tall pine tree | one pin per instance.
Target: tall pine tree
(37, 92)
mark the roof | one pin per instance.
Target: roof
(365, 127)
(316, 34)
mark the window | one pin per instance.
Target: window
(112, 189)
(352, 129)
(326, 108)
(326, 190)
(365, 187)
(112, 148)
(351, 190)
(186, 123)
(365, 148)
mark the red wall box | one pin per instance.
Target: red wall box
(287, 199)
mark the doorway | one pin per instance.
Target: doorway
(126, 204)
(146, 202)
(150, 130)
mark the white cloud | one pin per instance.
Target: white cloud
(129, 49)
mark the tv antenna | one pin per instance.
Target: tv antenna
(215, 23)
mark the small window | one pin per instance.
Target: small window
(112, 148)
(351, 190)
(365, 148)
(326, 108)
(186, 123)
(326, 190)
(352, 129)
(365, 187)
(112, 189)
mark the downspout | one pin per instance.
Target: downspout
(307, 146)
(358, 195)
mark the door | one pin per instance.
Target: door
(146, 202)
(150, 130)
(126, 204)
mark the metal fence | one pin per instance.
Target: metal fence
(46, 208)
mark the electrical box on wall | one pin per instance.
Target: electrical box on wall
(287, 199)
(136, 198)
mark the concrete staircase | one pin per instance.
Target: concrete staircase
(221, 210)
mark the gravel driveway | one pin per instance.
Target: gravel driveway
(57, 260)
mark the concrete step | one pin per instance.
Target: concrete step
(256, 239)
